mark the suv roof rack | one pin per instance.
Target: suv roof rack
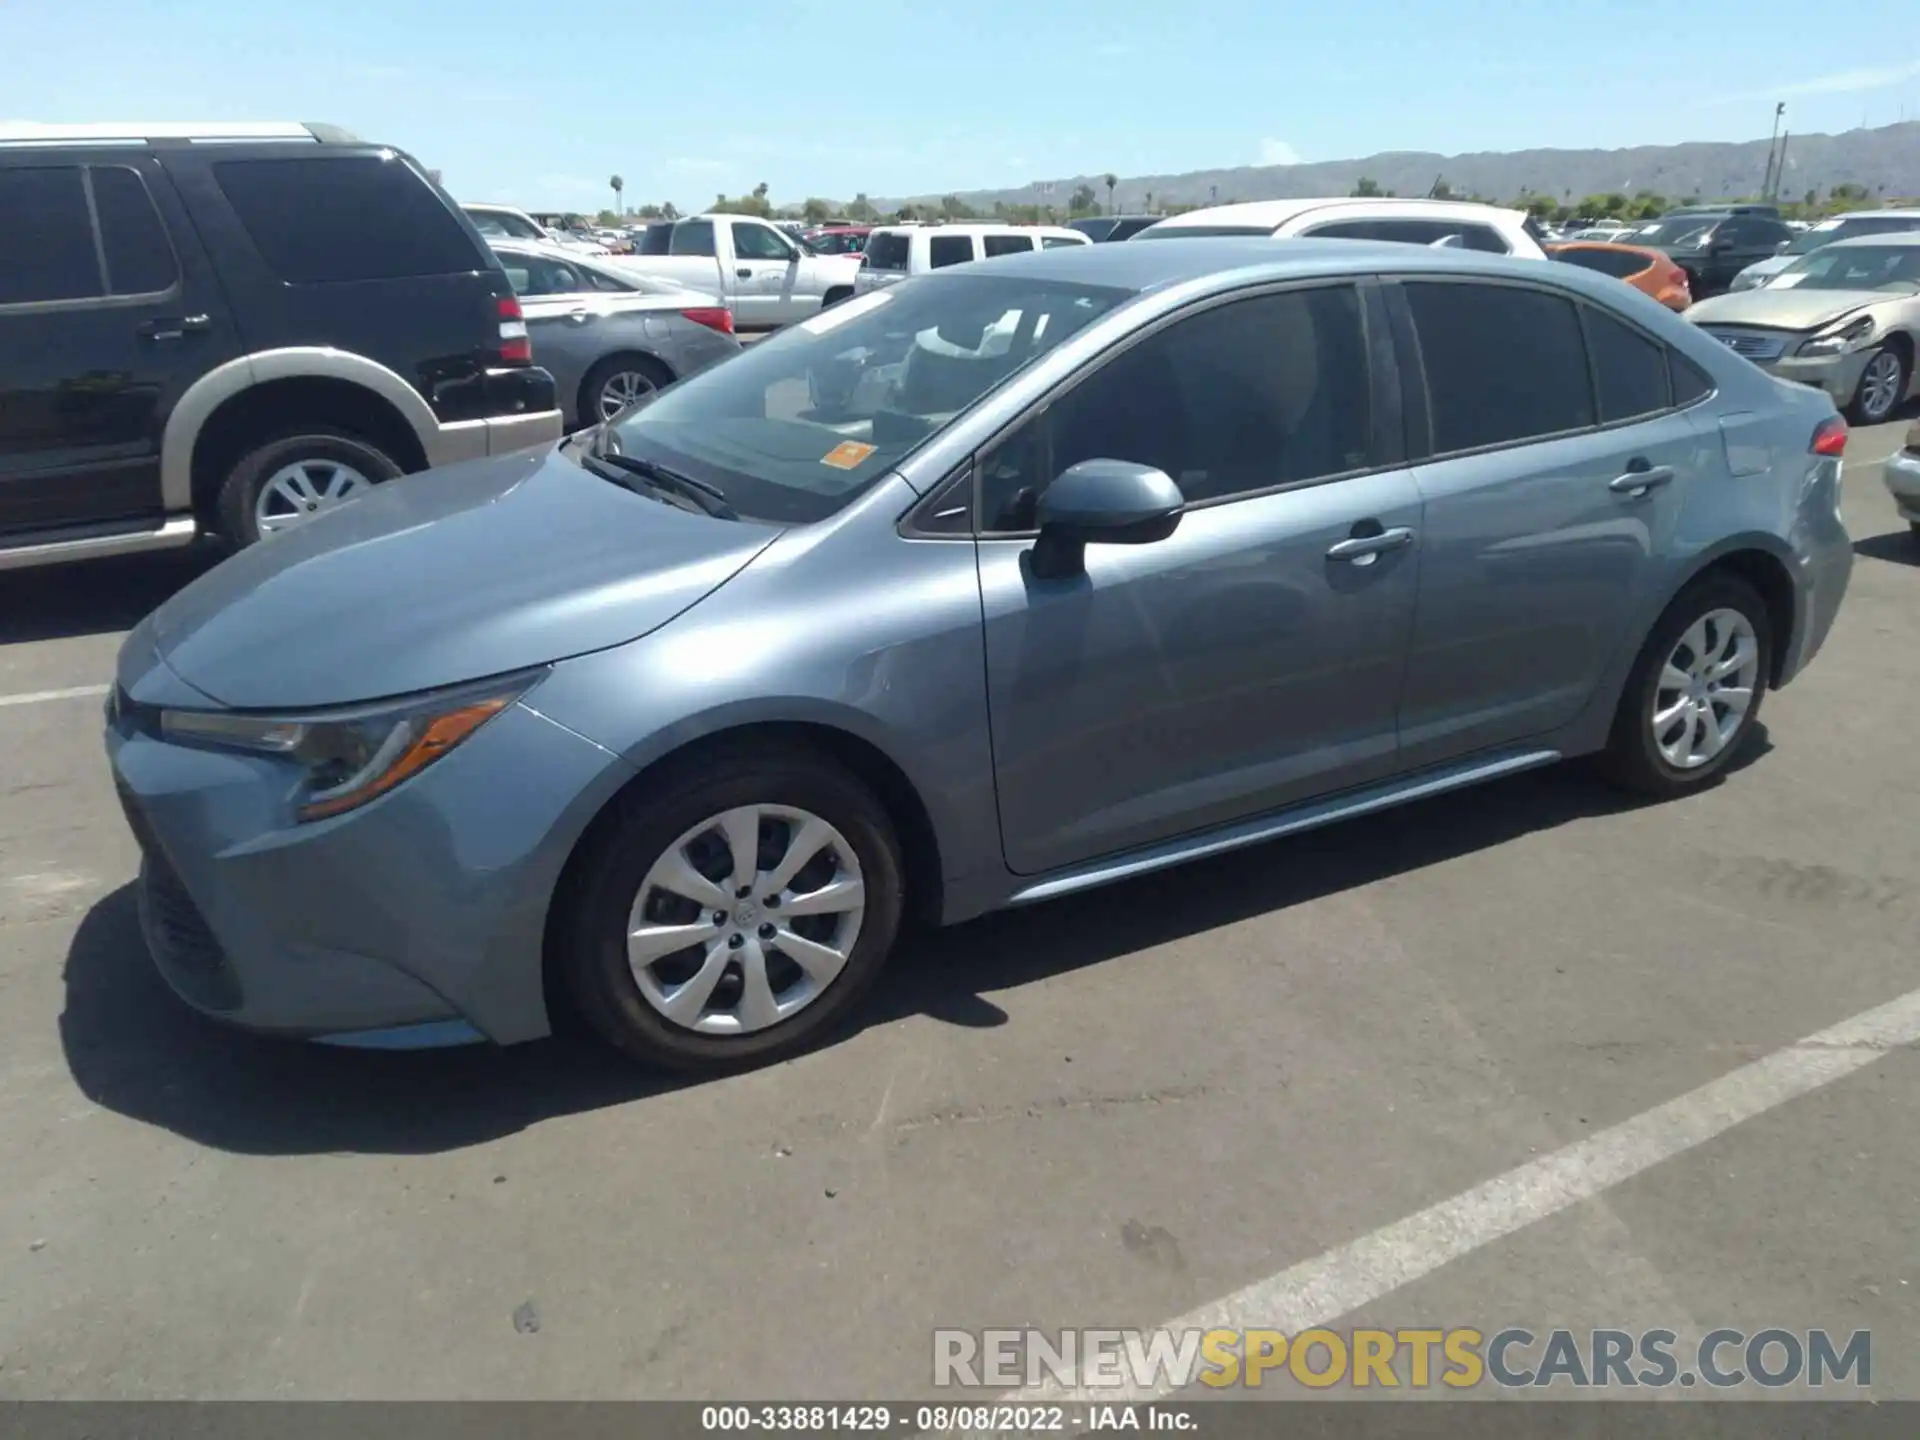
(31, 132)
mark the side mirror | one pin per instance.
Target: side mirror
(1102, 502)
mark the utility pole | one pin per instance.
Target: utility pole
(1780, 174)
(1766, 183)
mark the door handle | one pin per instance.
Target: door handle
(1365, 549)
(1640, 478)
(579, 317)
(172, 327)
(743, 272)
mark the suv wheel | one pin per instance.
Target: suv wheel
(1695, 690)
(289, 480)
(732, 916)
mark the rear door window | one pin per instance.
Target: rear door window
(46, 237)
(887, 250)
(945, 250)
(1629, 370)
(1006, 244)
(693, 237)
(318, 221)
(1503, 363)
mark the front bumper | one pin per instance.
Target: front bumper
(423, 911)
(1838, 375)
(1902, 476)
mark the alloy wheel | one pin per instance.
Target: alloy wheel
(1705, 689)
(746, 919)
(1880, 387)
(295, 493)
(623, 388)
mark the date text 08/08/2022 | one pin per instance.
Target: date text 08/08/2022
(985, 1419)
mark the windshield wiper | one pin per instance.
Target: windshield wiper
(709, 498)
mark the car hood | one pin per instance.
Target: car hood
(1776, 308)
(475, 570)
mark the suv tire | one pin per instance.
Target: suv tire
(334, 467)
(668, 829)
(1712, 623)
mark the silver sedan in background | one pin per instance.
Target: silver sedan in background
(611, 337)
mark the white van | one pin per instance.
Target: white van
(896, 251)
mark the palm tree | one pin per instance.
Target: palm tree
(1112, 180)
(618, 185)
(1149, 202)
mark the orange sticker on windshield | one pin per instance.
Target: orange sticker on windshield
(847, 455)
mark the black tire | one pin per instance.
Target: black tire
(589, 402)
(1632, 759)
(1856, 407)
(593, 934)
(240, 492)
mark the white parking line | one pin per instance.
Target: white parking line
(40, 697)
(1319, 1291)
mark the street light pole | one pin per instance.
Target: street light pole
(1767, 181)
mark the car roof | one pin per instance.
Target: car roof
(1258, 257)
(32, 132)
(1897, 212)
(1271, 214)
(1876, 242)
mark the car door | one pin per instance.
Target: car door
(1252, 658)
(1545, 504)
(104, 322)
(765, 268)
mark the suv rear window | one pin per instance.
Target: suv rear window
(321, 221)
(1006, 244)
(888, 250)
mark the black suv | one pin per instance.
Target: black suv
(1712, 245)
(225, 329)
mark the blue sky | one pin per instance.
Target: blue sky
(538, 101)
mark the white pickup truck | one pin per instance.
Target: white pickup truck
(762, 274)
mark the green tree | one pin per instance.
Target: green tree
(1366, 186)
(648, 212)
(862, 208)
(815, 211)
(952, 207)
(606, 217)
(669, 211)
(1112, 180)
(1541, 207)
(618, 185)
(1083, 201)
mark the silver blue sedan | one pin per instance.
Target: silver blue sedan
(1000, 584)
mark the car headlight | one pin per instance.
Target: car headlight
(353, 755)
(1835, 341)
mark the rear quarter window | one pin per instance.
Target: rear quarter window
(1006, 244)
(326, 220)
(945, 250)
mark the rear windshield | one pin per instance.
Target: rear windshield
(1195, 232)
(888, 250)
(355, 217)
(798, 426)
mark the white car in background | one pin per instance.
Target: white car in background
(895, 252)
(1489, 228)
(503, 222)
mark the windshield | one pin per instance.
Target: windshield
(801, 424)
(503, 225)
(1854, 267)
(1675, 234)
(1828, 231)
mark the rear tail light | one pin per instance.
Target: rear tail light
(713, 317)
(515, 347)
(1830, 437)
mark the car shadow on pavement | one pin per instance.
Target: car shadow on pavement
(94, 597)
(136, 1050)
(1898, 547)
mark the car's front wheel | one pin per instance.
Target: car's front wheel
(1695, 690)
(730, 915)
(1883, 385)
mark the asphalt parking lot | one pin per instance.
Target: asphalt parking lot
(1106, 1111)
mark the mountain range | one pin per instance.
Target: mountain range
(1886, 160)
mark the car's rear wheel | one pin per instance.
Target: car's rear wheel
(617, 382)
(730, 916)
(291, 479)
(1883, 385)
(1695, 690)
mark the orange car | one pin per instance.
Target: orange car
(1648, 271)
